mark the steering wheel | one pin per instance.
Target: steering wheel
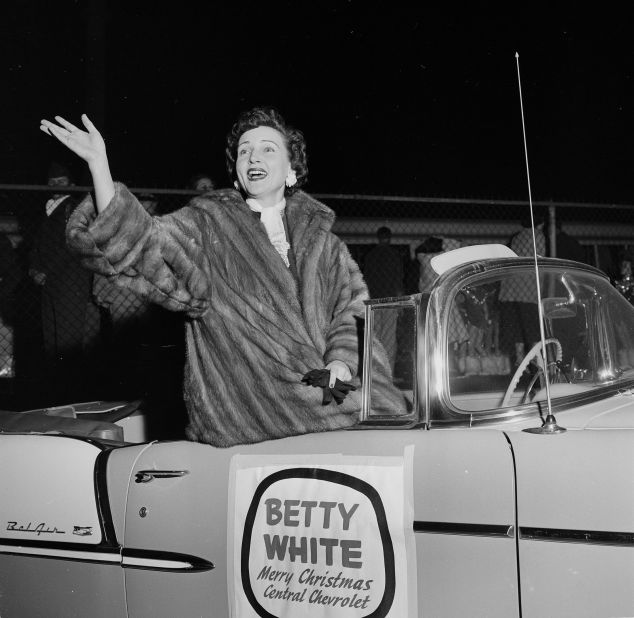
(532, 353)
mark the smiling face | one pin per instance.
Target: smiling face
(262, 164)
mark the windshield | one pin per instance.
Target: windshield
(493, 338)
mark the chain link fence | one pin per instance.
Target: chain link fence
(66, 335)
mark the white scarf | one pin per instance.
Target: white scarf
(271, 217)
(53, 203)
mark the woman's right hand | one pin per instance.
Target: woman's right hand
(91, 147)
(89, 144)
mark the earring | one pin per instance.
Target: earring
(236, 185)
(291, 179)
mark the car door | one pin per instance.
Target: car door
(178, 540)
(465, 524)
(576, 522)
(174, 544)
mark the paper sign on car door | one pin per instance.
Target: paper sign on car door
(321, 536)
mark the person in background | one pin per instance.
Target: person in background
(383, 273)
(271, 293)
(70, 323)
(383, 267)
(568, 247)
(201, 183)
(10, 275)
(517, 294)
(430, 247)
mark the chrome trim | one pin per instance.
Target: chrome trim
(145, 476)
(463, 529)
(563, 535)
(127, 558)
(425, 316)
(531, 410)
(387, 423)
(97, 555)
(163, 561)
(386, 420)
(390, 300)
(364, 415)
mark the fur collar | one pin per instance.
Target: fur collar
(300, 204)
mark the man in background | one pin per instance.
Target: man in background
(9, 279)
(568, 247)
(69, 320)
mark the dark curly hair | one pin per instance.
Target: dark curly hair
(269, 117)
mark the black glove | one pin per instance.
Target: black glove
(321, 378)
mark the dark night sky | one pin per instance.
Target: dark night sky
(415, 101)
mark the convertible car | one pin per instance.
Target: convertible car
(501, 484)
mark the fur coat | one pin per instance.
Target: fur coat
(254, 329)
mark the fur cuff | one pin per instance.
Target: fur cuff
(109, 242)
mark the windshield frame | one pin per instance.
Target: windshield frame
(439, 409)
(366, 417)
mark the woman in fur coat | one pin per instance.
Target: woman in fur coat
(270, 292)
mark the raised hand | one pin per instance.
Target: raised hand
(89, 144)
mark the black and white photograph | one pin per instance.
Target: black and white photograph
(316, 309)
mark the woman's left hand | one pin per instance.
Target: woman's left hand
(338, 370)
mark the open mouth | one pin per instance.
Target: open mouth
(256, 173)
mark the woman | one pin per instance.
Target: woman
(270, 291)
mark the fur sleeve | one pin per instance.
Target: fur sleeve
(344, 340)
(160, 258)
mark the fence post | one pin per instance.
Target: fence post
(552, 231)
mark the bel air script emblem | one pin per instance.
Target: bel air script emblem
(38, 529)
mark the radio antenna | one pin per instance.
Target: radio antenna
(550, 424)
